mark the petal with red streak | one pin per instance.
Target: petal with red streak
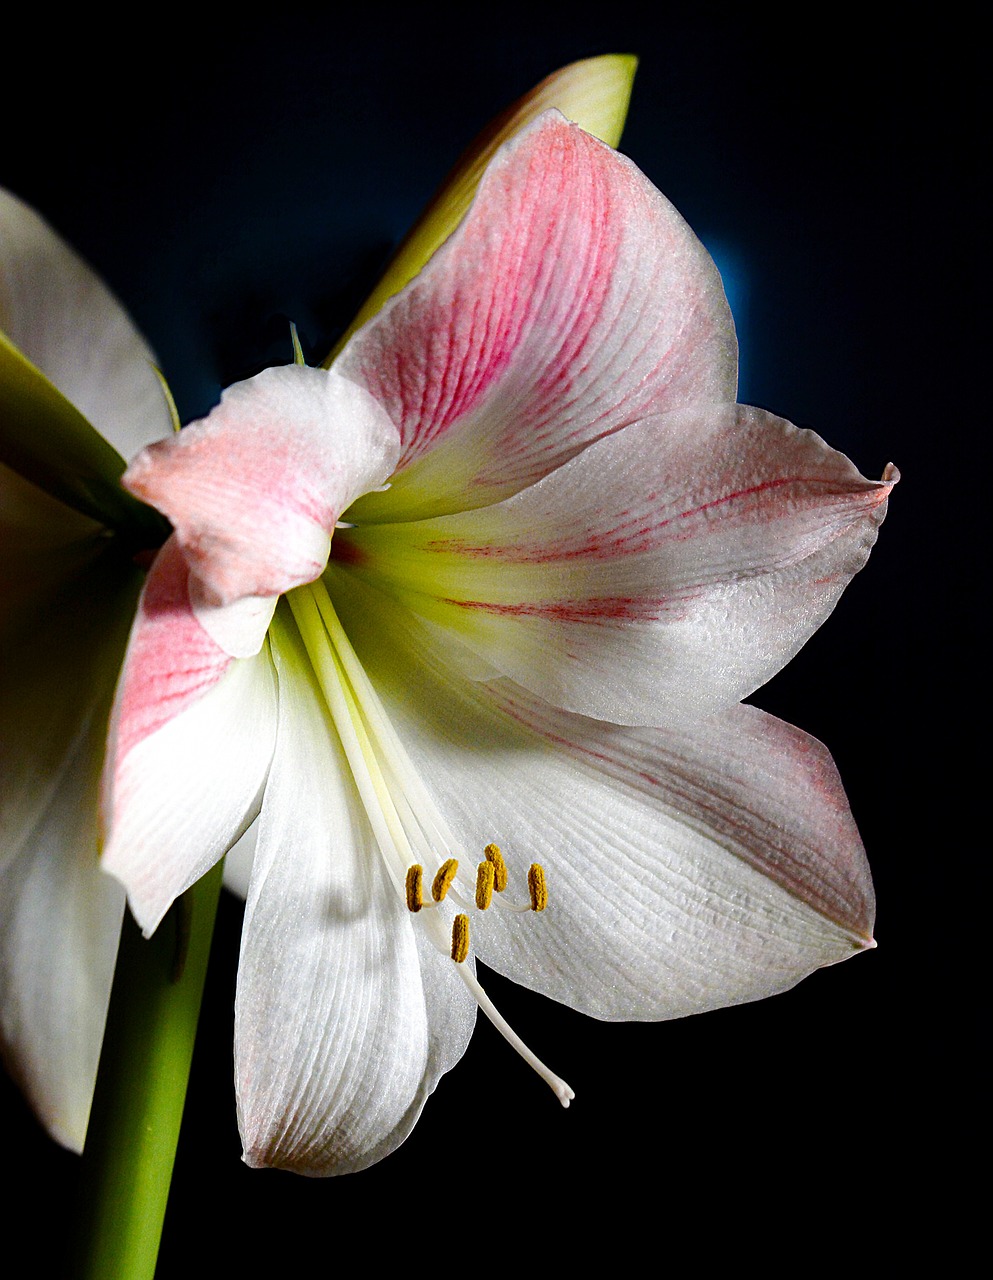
(704, 863)
(678, 563)
(572, 300)
(190, 744)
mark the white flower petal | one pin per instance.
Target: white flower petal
(707, 863)
(70, 326)
(60, 920)
(678, 563)
(343, 1023)
(59, 914)
(239, 860)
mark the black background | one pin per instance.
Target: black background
(225, 178)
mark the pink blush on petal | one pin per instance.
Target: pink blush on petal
(157, 685)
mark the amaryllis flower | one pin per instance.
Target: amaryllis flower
(78, 395)
(466, 620)
(69, 358)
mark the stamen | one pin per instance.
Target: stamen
(485, 875)
(445, 876)
(460, 938)
(405, 820)
(413, 886)
(493, 854)
(537, 887)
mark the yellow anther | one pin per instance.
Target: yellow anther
(485, 875)
(444, 878)
(493, 854)
(537, 887)
(460, 938)
(413, 887)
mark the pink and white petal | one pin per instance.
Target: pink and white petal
(703, 864)
(337, 1041)
(572, 300)
(678, 563)
(66, 321)
(594, 93)
(254, 490)
(60, 920)
(190, 743)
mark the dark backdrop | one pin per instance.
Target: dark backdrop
(224, 179)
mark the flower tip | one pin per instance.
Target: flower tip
(891, 474)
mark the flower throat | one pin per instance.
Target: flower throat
(408, 828)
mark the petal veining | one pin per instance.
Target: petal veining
(706, 863)
(572, 300)
(337, 1041)
(254, 490)
(680, 562)
(190, 743)
(594, 93)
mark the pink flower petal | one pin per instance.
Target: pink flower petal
(190, 743)
(572, 300)
(254, 489)
(594, 92)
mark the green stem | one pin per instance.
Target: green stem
(141, 1088)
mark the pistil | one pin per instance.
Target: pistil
(406, 823)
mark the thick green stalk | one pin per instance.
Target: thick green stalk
(141, 1088)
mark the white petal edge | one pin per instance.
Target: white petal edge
(60, 920)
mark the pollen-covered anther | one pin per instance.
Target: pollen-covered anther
(442, 881)
(537, 887)
(485, 876)
(460, 938)
(493, 854)
(413, 886)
